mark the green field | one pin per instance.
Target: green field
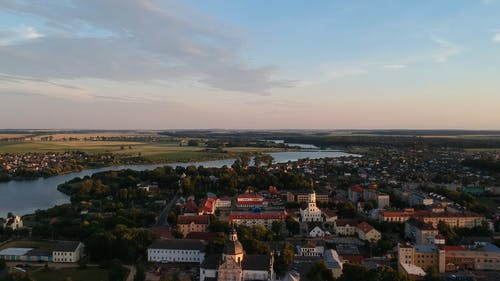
(76, 274)
(154, 152)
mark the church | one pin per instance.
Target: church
(311, 212)
(235, 265)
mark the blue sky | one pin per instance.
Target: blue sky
(250, 64)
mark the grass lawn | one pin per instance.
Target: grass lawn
(29, 244)
(76, 274)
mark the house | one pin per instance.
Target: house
(317, 232)
(187, 224)
(67, 251)
(207, 207)
(13, 222)
(346, 227)
(354, 193)
(333, 262)
(177, 250)
(148, 187)
(420, 232)
(349, 253)
(330, 215)
(224, 202)
(366, 232)
(310, 249)
(396, 216)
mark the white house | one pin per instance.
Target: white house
(346, 227)
(310, 249)
(177, 250)
(67, 252)
(366, 232)
(317, 232)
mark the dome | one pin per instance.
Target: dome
(233, 248)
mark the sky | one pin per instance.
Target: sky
(284, 64)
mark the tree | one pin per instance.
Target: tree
(285, 259)
(276, 227)
(3, 264)
(432, 275)
(386, 273)
(354, 272)
(140, 275)
(447, 232)
(219, 226)
(292, 226)
(116, 271)
(320, 272)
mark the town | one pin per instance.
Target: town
(427, 214)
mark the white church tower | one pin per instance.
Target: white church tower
(311, 212)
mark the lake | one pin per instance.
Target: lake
(26, 196)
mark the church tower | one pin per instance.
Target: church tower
(233, 248)
(312, 200)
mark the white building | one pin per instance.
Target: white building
(66, 252)
(310, 249)
(177, 250)
(366, 232)
(224, 202)
(317, 232)
(311, 212)
(346, 227)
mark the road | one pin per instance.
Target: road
(162, 218)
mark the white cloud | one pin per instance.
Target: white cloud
(147, 41)
(445, 50)
(18, 35)
(394, 66)
(496, 37)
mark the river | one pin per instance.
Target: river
(26, 196)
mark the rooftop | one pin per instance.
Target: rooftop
(15, 251)
(179, 244)
(69, 246)
(412, 269)
(201, 219)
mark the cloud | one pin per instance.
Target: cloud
(496, 37)
(144, 41)
(344, 71)
(18, 35)
(394, 66)
(445, 50)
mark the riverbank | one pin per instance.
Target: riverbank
(25, 197)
